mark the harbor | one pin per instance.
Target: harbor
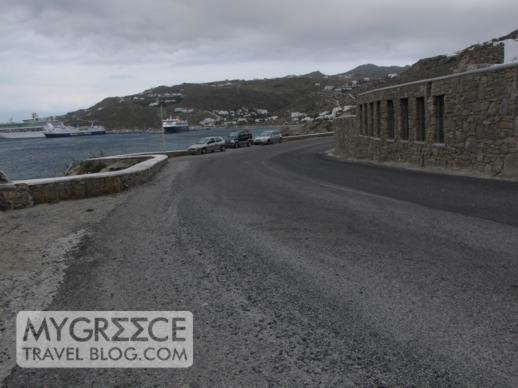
(43, 157)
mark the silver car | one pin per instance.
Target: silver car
(269, 137)
(207, 144)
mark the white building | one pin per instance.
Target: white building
(183, 110)
(297, 115)
(208, 122)
(510, 51)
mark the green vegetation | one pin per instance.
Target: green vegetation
(86, 167)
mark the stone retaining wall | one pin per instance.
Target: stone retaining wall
(466, 122)
(307, 136)
(26, 193)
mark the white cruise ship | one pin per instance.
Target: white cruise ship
(30, 128)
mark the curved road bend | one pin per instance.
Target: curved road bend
(302, 271)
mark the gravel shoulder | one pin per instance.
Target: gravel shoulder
(37, 246)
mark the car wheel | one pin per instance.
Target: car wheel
(248, 144)
(269, 141)
(222, 148)
(280, 140)
(204, 150)
(237, 145)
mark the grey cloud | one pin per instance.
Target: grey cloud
(113, 39)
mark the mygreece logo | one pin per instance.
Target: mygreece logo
(104, 339)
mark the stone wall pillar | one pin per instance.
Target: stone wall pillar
(346, 136)
(13, 196)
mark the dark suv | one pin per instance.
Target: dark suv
(240, 138)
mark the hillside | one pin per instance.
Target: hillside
(470, 58)
(311, 93)
(275, 101)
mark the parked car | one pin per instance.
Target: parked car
(240, 138)
(269, 137)
(207, 144)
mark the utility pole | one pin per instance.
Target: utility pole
(162, 124)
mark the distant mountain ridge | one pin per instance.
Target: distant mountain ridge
(370, 70)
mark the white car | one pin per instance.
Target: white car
(269, 137)
(207, 144)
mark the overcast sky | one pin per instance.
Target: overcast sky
(61, 55)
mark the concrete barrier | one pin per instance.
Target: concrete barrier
(169, 154)
(26, 193)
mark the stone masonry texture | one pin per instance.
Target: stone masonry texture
(470, 123)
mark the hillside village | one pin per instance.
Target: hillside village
(308, 100)
(305, 99)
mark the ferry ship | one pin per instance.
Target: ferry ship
(171, 125)
(65, 131)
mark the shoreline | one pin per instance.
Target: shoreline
(20, 194)
(198, 128)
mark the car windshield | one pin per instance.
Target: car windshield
(266, 133)
(203, 140)
(233, 135)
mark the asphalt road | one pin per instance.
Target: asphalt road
(304, 271)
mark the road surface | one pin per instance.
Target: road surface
(305, 271)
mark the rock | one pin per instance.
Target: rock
(498, 165)
(3, 178)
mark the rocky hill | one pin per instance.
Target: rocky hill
(473, 57)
